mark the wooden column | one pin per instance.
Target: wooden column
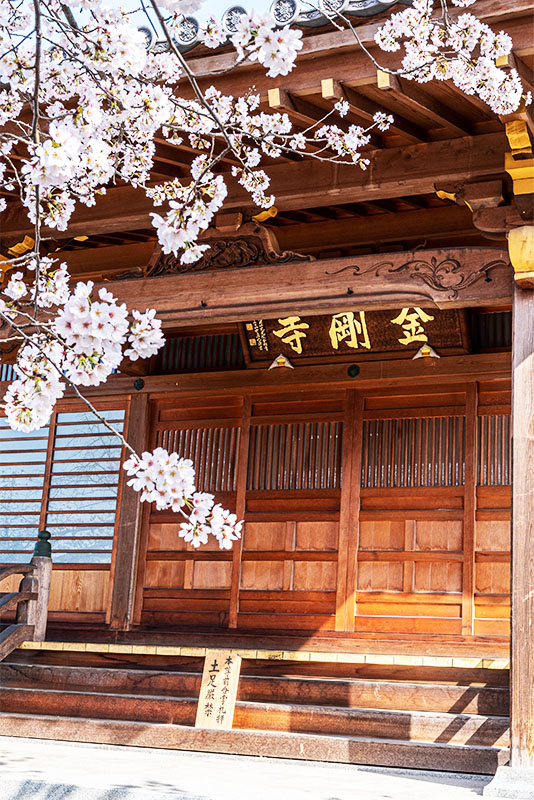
(349, 513)
(469, 521)
(517, 779)
(522, 665)
(127, 544)
(241, 491)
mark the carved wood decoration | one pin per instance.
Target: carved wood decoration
(253, 245)
(439, 278)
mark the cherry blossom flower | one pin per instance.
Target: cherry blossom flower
(83, 101)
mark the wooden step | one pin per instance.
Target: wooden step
(355, 693)
(341, 749)
(420, 726)
(462, 676)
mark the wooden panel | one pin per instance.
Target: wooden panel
(311, 575)
(79, 590)
(165, 573)
(264, 536)
(492, 578)
(494, 497)
(369, 608)
(262, 574)
(412, 397)
(212, 575)
(437, 577)
(492, 535)
(165, 536)
(382, 535)
(383, 576)
(316, 536)
(438, 535)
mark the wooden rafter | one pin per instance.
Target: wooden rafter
(392, 172)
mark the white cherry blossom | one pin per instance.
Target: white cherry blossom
(83, 101)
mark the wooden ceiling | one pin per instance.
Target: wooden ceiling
(440, 137)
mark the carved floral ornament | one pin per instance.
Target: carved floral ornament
(252, 246)
(447, 275)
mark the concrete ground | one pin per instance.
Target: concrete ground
(35, 769)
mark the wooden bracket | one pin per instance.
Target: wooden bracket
(521, 172)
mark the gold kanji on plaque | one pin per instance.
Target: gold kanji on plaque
(412, 325)
(292, 332)
(349, 328)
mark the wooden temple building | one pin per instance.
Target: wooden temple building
(354, 376)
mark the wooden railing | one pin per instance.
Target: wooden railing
(31, 600)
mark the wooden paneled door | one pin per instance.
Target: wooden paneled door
(433, 550)
(384, 512)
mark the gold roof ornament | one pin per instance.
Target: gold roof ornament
(425, 351)
(281, 361)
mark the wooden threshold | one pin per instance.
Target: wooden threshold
(279, 655)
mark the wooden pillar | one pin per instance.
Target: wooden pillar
(349, 512)
(522, 664)
(241, 492)
(517, 780)
(127, 544)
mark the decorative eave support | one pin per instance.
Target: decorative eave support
(521, 237)
(521, 249)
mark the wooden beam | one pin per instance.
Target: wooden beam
(425, 224)
(447, 278)
(305, 117)
(94, 261)
(394, 373)
(392, 172)
(365, 108)
(407, 94)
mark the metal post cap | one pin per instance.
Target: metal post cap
(43, 548)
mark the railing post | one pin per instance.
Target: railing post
(27, 609)
(36, 611)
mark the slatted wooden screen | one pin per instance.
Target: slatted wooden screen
(181, 585)
(83, 486)
(64, 477)
(412, 451)
(290, 547)
(493, 523)
(23, 458)
(421, 523)
(427, 561)
(301, 455)
(196, 353)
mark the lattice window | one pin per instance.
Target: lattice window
(184, 353)
(213, 451)
(22, 475)
(67, 482)
(493, 450)
(289, 456)
(7, 373)
(401, 452)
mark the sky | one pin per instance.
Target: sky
(210, 8)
